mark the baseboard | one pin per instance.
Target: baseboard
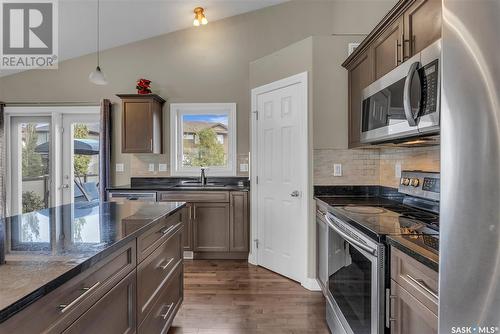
(252, 259)
(311, 284)
(220, 255)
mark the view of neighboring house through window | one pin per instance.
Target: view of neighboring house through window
(205, 137)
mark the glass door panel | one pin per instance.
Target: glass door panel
(31, 164)
(81, 163)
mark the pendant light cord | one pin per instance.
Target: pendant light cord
(98, 33)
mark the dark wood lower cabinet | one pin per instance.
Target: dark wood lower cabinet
(112, 314)
(131, 288)
(211, 227)
(216, 223)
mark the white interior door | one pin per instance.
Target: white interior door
(80, 146)
(281, 164)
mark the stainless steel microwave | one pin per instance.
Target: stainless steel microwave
(405, 102)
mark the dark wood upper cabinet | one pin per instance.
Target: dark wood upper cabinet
(238, 222)
(360, 76)
(408, 28)
(422, 24)
(387, 50)
(141, 123)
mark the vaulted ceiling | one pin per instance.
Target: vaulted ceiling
(126, 21)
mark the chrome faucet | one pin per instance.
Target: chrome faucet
(203, 177)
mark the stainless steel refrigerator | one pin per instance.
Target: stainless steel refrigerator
(469, 270)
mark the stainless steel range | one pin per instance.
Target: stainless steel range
(356, 266)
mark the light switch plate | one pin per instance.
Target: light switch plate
(151, 168)
(337, 169)
(162, 167)
(119, 167)
(397, 170)
(243, 167)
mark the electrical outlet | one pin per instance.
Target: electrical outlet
(337, 169)
(151, 167)
(162, 167)
(243, 167)
(397, 170)
(120, 167)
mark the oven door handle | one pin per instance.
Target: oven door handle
(347, 237)
(412, 119)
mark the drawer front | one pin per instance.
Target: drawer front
(155, 271)
(112, 314)
(56, 311)
(164, 310)
(416, 278)
(156, 235)
(194, 196)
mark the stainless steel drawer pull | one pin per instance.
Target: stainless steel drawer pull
(167, 230)
(165, 266)
(65, 307)
(166, 314)
(421, 283)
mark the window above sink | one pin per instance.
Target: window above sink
(203, 135)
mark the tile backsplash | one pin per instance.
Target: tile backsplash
(372, 166)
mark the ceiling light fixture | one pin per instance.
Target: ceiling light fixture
(97, 77)
(199, 17)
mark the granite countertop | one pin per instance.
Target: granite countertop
(175, 184)
(45, 249)
(420, 254)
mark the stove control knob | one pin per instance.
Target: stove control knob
(414, 183)
(405, 181)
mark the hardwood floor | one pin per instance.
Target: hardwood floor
(234, 297)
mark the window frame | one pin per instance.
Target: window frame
(177, 110)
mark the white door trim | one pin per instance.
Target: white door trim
(305, 190)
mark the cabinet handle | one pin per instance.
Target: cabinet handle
(165, 266)
(388, 299)
(166, 314)
(65, 307)
(421, 283)
(194, 212)
(167, 230)
(396, 55)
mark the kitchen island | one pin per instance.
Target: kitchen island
(65, 265)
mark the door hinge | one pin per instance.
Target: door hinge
(256, 180)
(256, 112)
(256, 243)
(62, 129)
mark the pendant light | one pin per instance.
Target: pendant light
(97, 77)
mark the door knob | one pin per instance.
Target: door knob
(65, 186)
(295, 193)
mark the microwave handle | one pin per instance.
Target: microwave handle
(412, 120)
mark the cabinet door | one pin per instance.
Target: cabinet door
(422, 24)
(187, 234)
(387, 49)
(113, 313)
(211, 227)
(360, 76)
(238, 223)
(409, 316)
(137, 129)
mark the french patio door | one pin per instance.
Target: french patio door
(53, 155)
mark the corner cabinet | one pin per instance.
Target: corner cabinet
(408, 28)
(141, 123)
